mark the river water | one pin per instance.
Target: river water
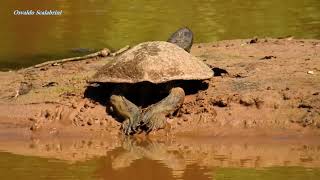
(94, 24)
(219, 159)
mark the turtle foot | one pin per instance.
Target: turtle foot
(154, 117)
(127, 111)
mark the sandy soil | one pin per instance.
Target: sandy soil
(268, 87)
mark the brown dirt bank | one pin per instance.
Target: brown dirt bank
(268, 87)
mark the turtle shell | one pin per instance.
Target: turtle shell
(155, 62)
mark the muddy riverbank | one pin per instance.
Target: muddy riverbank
(264, 87)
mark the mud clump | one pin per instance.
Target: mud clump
(310, 119)
(220, 101)
(197, 106)
(80, 114)
(248, 100)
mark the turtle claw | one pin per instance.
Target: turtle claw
(128, 111)
(125, 127)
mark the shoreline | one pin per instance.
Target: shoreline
(268, 86)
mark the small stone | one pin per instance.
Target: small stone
(55, 64)
(105, 52)
(310, 72)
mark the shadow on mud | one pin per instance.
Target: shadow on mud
(142, 94)
(218, 71)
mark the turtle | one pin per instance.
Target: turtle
(183, 38)
(156, 62)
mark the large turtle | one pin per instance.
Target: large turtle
(156, 62)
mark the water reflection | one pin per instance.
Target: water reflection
(163, 160)
(178, 158)
(133, 150)
(95, 24)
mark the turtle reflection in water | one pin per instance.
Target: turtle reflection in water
(133, 150)
(158, 63)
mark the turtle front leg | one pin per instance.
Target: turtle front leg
(154, 117)
(128, 111)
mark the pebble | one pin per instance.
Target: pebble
(310, 72)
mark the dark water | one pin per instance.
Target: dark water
(145, 160)
(94, 24)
